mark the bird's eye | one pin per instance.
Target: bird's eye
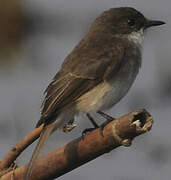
(131, 22)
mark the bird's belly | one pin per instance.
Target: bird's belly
(107, 94)
(115, 94)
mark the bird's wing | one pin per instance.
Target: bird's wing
(72, 82)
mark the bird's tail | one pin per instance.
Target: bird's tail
(47, 130)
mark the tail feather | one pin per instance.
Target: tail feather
(42, 140)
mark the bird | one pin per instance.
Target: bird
(97, 73)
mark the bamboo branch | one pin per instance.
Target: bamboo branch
(119, 132)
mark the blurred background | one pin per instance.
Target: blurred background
(35, 38)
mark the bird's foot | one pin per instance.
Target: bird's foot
(86, 131)
(101, 128)
(108, 120)
(68, 127)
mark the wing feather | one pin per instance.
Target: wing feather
(66, 91)
(71, 83)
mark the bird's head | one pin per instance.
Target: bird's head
(123, 21)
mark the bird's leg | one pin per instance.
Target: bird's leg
(106, 116)
(92, 121)
(108, 120)
(69, 126)
(90, 129)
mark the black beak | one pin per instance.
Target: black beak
(151, 23)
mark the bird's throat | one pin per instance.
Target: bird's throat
(136, 37)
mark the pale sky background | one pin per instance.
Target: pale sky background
(54, 27)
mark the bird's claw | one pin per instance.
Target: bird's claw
(86, 131)
(101, 128)
(68, 127)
